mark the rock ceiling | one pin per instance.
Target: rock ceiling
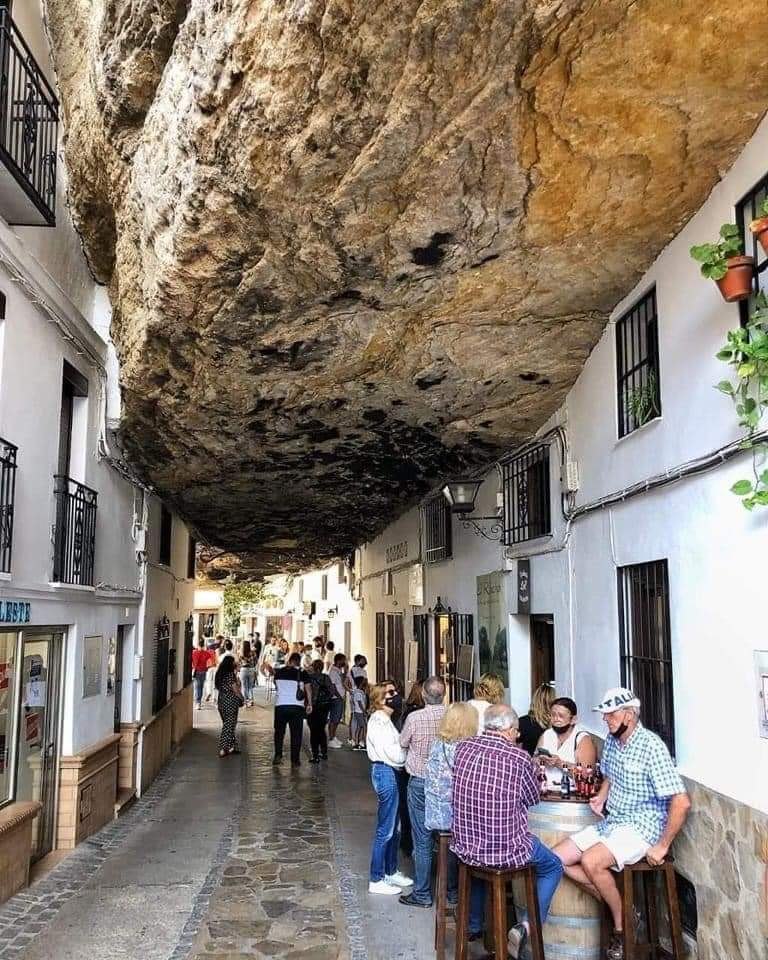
(353, 247)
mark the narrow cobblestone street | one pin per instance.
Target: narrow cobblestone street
(224, 860)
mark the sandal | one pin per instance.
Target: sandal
(222, 754)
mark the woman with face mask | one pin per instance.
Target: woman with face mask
(387, 757)
(565, 743)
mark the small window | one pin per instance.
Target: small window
(527, 511)
(191, 558)
(646, 645)
(637, 365)
(347, 639)
(747, 210)
(166, 535)
(324, 587)
(436, 529)
(341, 572)
(301, 589)
(387, 584)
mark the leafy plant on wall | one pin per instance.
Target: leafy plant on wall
(746, 352)
(642, 402)
(236, 595)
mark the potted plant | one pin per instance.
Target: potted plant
(724, 263)
(759, 227)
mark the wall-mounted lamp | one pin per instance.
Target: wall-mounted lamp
(461, 495)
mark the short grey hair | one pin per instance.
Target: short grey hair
(635, 711)
(433, 690)
(500, 717)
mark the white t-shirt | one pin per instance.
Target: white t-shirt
(358, 700)
(287, 685)
(481, 706)
(565, 752)
(359, 672)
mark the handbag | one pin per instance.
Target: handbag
(300, 693)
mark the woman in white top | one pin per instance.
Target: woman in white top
(488, 690)
(386, 756)
(566, 741)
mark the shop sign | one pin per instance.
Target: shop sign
(398, 551)
(15, 611)
(523, 586)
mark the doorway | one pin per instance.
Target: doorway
(116, 670)
(38, 733)
(542, 650)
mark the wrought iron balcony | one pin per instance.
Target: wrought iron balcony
(29, 120)
(7, 496)
(75, 532)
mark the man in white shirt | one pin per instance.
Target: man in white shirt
(358, 669)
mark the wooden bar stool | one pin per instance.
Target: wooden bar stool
(441, 892)
(652, 948)
(496, 881)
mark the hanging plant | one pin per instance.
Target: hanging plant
(642, 402)
(759, 227)
(723, 262)
(747, 353)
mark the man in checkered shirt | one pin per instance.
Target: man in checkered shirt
(494, 784)
(643, 803)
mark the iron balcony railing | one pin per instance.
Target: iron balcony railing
(75, 532)
(29, 120)
(7, 496)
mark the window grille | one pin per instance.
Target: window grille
(189, 646)
(387, 584)
(637, 365)
(436, 529)
(646, 645)
(301, 589)
(162, 644)
(324, 587)
(380, 647)
(166, 535)
(191, 558)
(746, 211)
(341, 573)
(347, 639)
(7, 501)
(527, 508)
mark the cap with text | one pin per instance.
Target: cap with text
(617, 698)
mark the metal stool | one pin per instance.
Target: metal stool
(441, 891)
(652, 949)
(497, 880)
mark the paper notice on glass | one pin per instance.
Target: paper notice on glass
(35, 694)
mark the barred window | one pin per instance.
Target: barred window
(747, 210)
(191, 558)
(436, 529)
(527, 507)
(166, 535)
(301, 589)
(637, 365)
(646, 645)
(324, 587)
(341, 572)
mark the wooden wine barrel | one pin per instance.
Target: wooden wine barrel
(572, 930)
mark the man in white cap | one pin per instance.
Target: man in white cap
(643, 803)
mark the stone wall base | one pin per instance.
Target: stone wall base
(163, 733)
(87, 791)
(16, 846)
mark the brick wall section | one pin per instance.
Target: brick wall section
(165, 731)
(128, 749)
(15, 846)
(87, 791)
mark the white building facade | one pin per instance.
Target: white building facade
(96, 575)
(611, 550)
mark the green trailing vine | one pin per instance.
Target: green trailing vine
(642, 402)
(746, 352)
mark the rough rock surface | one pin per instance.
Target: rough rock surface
(354, 246)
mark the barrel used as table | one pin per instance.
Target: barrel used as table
(572, 930)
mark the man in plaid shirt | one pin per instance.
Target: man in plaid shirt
(494, 784)
(418, 734)
(643, 802)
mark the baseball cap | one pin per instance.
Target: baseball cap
(617, 698)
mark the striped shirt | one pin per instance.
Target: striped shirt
(493, 786)
(418, 734)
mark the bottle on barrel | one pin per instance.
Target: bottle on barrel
(589, 781)
(578, 780)
(565, 786)
(542, 779)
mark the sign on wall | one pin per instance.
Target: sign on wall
(524, 585)
(398, 551)
(92, 665)
(492, 626)
(15, 611)
(416, 585)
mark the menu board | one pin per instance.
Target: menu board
(92, 647)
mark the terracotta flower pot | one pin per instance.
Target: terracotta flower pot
(759, 229)
(737, 283)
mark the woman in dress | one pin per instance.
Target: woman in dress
(566, 742)
(230, 700)
(459, 722)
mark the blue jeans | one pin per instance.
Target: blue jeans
(422, 842)
(199, 685)
(246, 680)
(387, 837)
(549, 870)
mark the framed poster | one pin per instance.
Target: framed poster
(465, 663)
(492, 626)
(416, 585)
(111, 666)
(92, 665)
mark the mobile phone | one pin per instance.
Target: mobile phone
(541, 752)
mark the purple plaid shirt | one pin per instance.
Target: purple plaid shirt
(493, 786)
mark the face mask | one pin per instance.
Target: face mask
(394, 702)
(561, 730)
(620, 732)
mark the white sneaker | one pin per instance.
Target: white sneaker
(350, 742)
(399, 879)
(381, 886)
(336, 744)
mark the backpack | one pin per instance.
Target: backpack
(324, 691)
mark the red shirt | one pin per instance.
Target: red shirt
(200, 660)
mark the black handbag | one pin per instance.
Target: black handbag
(301, 695)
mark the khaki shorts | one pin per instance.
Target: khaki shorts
(624, 842)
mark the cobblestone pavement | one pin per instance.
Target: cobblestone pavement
(224, 860)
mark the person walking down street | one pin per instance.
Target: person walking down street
(213, 661)
(230, 701)
(357, 725)
(338, 677)
(293, 702)
(323, 694)
(418, 734)
(459, 723)
(247, 672)
(644, 804)
(536, 721)
(488, 690)
(494, 784)
(329, 655)
(386, 756)
(200, 660)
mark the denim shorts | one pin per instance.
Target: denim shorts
(336, 711)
